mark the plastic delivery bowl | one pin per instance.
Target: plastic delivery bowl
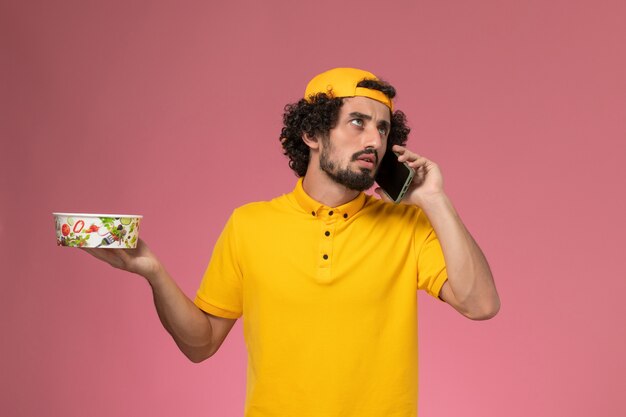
(112, 231)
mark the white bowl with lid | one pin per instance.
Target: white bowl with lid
(85, 230)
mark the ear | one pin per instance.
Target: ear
(311, 141)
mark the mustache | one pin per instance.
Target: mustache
(365, 152)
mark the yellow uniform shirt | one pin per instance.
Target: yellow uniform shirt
(329, 303)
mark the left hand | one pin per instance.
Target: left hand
(427, 182)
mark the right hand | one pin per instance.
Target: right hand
(140, 260)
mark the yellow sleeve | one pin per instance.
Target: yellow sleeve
(220, 292)
(431, 266)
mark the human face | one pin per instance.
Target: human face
(353, 148)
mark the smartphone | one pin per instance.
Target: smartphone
(394, 177)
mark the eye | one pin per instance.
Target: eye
(383, 130)
(357, 122)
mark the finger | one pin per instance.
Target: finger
(408, 156)
(110, 256)
(101, 254)
(405, 155)
(124, 254)
(420, 175)
(143, 247)
(398, 149)
(418, 162)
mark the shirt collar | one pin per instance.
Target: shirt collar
(315, 208)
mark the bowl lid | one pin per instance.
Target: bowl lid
(96, 215)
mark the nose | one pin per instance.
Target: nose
(372, 138)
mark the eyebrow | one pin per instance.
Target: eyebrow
(360, 115)
(368, 117)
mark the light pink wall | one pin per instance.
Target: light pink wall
(173, 109)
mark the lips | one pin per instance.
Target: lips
(366, 159)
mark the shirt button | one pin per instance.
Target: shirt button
(325, 256)
(330, 213)
(327, 233)
(313, 213)
(345, 215)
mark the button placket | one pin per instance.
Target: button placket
(327, 234)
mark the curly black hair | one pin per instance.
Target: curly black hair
(318, 115)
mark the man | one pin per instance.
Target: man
(325, 277)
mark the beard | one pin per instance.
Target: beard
(358, 181)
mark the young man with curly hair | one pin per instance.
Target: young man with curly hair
(326, 277)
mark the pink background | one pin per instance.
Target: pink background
(173, 110)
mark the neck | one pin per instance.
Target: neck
(320, 187)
